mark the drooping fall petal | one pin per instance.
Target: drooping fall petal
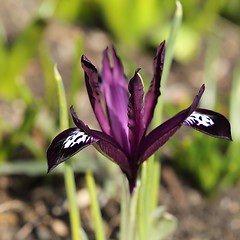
(106, 144)
(160, 135)
(67, 144)
(209, 122)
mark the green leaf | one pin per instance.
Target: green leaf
(95, 208)
(163, 224)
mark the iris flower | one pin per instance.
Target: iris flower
(124, 114)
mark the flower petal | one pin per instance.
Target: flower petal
(154, 89)
(114, 85)
(135, 111)
(106, 144)
(209, 122)
(160, 135)
(96, 134)
(94, 92)
(115, 154)
(67, 144)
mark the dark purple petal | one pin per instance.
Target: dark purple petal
(209, 122)
(96, 134)
(114, 86)
(114, 154)
(135, 111)
(154, 89)
(94, 92)
(106, 143)
(160, 135)
(67, 144)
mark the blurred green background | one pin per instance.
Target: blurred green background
(35, 35)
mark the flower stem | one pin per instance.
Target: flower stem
(125, 200)
(70, 186)
(129, 203)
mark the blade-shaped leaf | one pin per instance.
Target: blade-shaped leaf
(209, 122)
(67, 144)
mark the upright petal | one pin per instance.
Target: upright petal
(106, 144)
(135, 112)
(114, 86)
(154, 89)
(160, 135)
(67, 144)
(209, 122)
(94, 93)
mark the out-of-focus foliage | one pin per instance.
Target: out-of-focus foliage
(138, 22)
(212, 164)
(230, 10)
(15, 56)
(202, 160)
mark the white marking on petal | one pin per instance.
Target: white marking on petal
(199, 119)
(76, 138)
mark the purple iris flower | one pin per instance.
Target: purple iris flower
(124, 114)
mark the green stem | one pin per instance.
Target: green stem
(143, 205)
(70, 186)
(129, 204)
(125, 206)
(132, 215)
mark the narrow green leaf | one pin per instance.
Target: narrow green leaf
(163, 224)
(175, 26)
(211, 72)
(235, 103)
(95, 208)
(68, 170)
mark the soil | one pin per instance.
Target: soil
(35, 208)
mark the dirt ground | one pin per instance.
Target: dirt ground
(35, 208)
